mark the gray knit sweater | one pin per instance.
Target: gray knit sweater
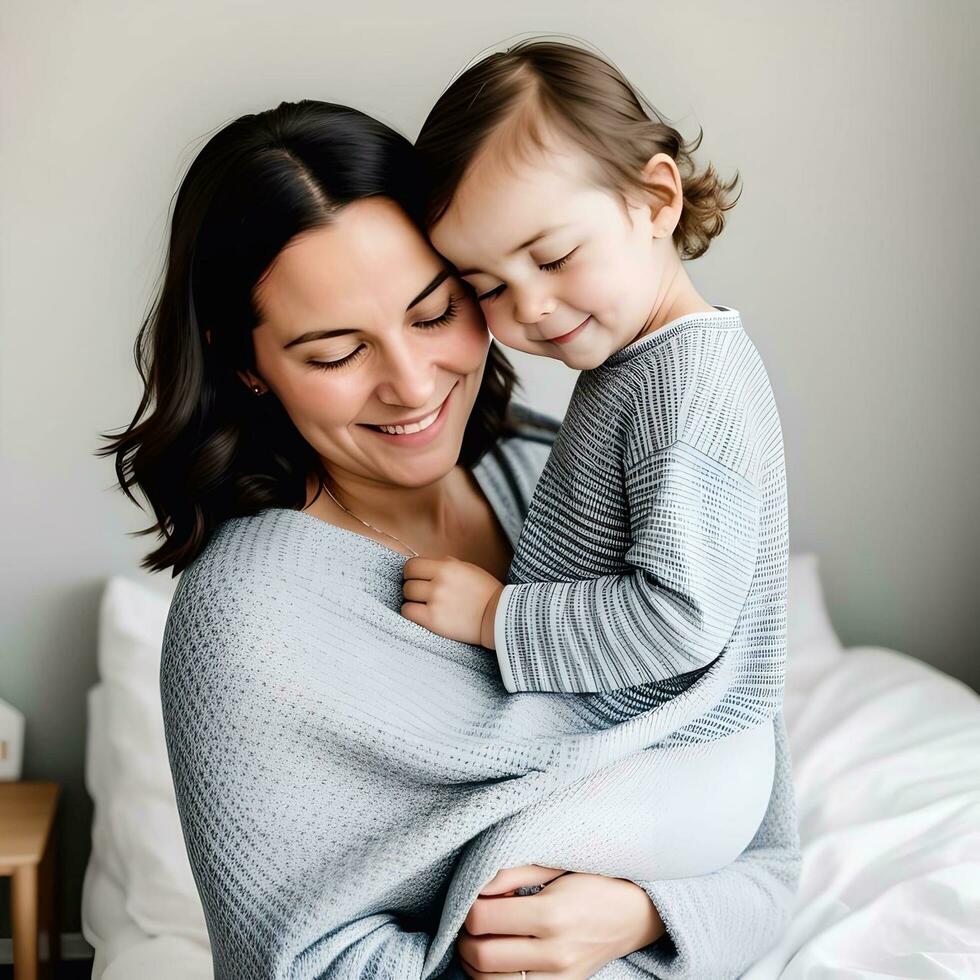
(347, 781)
(657, 536)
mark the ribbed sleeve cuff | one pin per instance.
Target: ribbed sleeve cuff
(708, 934)
(500, 640)
(670, 957)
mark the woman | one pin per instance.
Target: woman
(322, 401)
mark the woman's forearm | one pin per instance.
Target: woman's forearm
(641, 921)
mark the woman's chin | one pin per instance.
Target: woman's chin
(405, 465)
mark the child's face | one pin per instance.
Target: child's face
(562, 269)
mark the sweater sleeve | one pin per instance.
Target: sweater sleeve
(694, 539)
(254, 791)
(719, 924)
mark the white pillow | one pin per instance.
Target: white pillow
(812, 646)
(809, 624)
(135, 795)
(809, 630)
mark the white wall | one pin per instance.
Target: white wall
(851, 256)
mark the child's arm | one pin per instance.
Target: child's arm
(694, 527)
(695, 539)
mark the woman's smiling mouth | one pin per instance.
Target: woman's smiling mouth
(418, 432)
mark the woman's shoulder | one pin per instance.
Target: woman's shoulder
(245, 557)
(516, 460)
(267, 591)
(529, 425)
(527, 440)
(257, 567)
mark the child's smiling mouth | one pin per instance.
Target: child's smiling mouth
(571, 335)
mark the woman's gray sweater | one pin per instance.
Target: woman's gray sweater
(347, 781)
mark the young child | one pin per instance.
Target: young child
(657, 536)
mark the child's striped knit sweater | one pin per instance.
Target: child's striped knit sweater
(657, 536)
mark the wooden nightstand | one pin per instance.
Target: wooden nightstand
(27, 856)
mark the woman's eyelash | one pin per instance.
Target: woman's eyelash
(330, 365)
(547, 267)
(451, 310)
(448, 314)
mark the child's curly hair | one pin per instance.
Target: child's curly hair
(537, 87)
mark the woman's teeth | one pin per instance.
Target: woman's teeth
(400, 430)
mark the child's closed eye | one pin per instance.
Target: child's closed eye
(558, 263)
(544, 267)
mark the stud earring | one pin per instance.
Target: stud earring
(257, 389)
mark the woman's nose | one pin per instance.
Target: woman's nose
(408, 376)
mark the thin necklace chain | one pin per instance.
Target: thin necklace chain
(365, 523)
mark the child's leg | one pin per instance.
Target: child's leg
(712, 804)
(662, 813)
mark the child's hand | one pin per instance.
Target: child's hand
(452, 598)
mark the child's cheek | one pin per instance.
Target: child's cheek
(504, 329)
(593, 290)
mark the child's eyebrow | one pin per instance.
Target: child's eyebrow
(523, 245)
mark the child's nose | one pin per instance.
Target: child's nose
(531, 308)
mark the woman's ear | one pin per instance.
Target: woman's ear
(253, 382)
(663, 181)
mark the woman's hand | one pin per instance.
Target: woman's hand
(570, 929)
(452, 598)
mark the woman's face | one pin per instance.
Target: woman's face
(363, 327)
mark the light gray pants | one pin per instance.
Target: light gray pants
(662, 813)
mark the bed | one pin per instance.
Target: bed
(886, 758)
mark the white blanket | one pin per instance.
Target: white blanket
(886, 760)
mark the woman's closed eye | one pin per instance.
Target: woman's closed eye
(545, 267)
(447, 315)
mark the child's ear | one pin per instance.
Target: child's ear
(666, 191)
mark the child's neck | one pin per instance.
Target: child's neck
(679, 298)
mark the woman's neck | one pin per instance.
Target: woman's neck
(422, 517)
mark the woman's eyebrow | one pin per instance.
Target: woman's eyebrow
(439, 278)
(527, 244)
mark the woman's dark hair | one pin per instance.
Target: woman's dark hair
(201, 447)
(519, 97)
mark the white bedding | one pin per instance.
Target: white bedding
(886, 759)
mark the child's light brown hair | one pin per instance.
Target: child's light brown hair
(514, 99)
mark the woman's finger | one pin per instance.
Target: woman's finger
(523, 916)
(506, 954)
(478, 975)
(507, 879)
